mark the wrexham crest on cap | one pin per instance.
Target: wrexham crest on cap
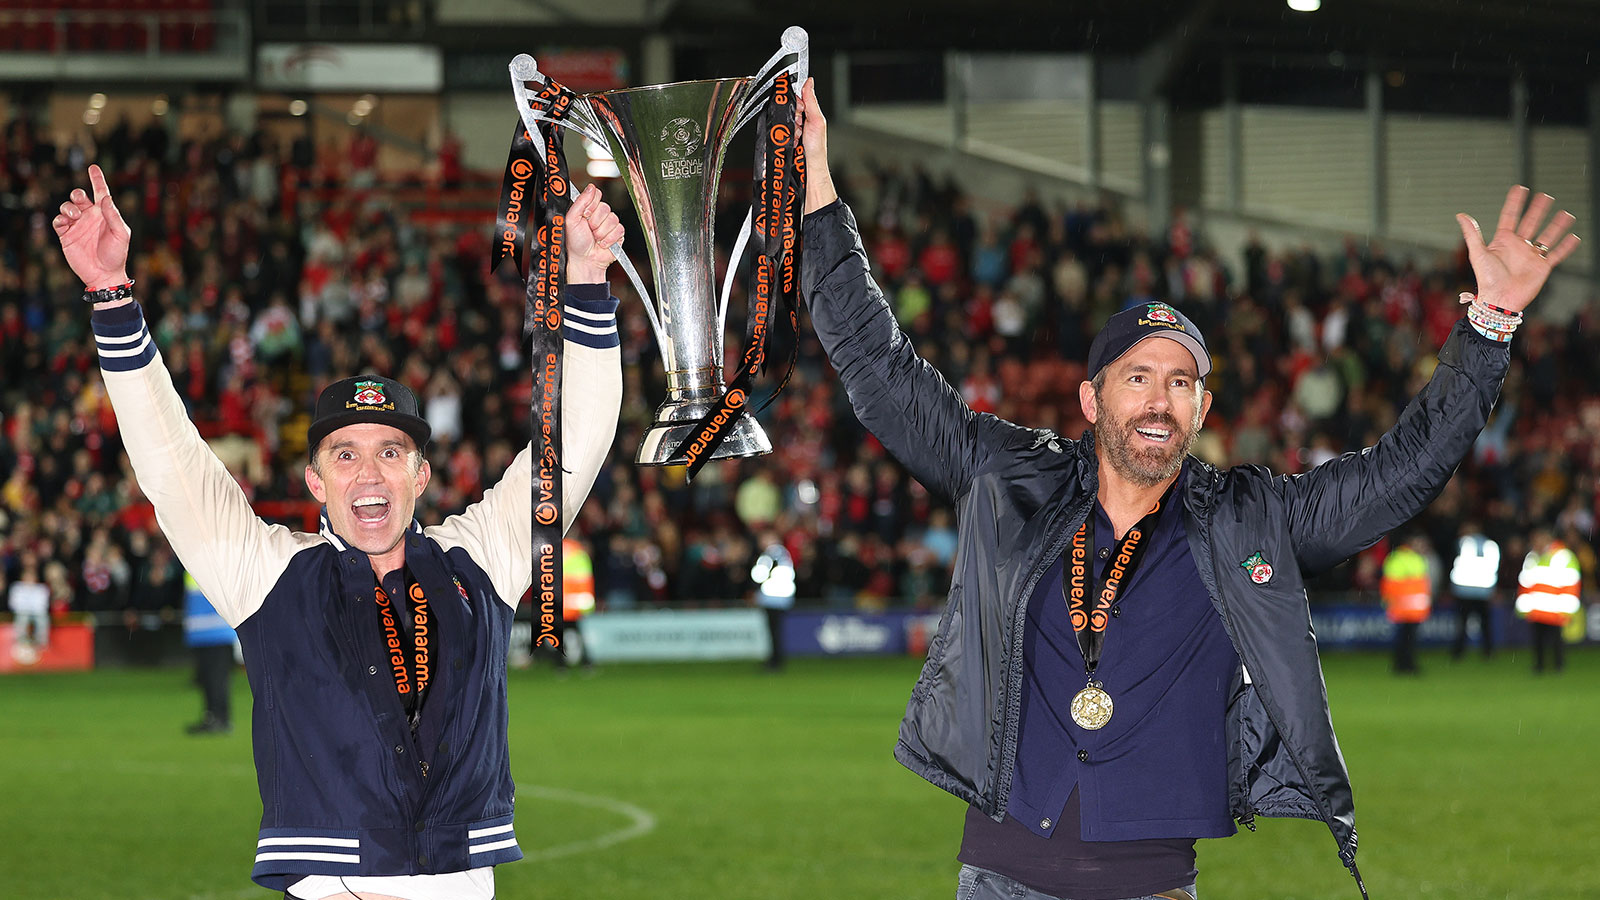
(1160, 312)
(370, 393)
(1260, 570)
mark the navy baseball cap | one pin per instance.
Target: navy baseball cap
(367, 398)
(1146, 320)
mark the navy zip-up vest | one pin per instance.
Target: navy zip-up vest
(346, 788)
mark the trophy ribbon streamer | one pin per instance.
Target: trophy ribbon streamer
(541, 154)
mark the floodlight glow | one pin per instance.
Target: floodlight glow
(97, 101)
(1305, 5)
(297, 107)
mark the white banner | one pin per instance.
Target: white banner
(393, 68)
(676, 635)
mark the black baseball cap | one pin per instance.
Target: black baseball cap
(363, 399)
(1146, 320)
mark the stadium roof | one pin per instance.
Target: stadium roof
(1543, 37)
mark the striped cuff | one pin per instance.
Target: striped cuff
(589, 316)
(122, 338)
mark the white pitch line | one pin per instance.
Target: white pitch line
(641, 821)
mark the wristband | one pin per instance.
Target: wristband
(111, 294)
(1491, 321)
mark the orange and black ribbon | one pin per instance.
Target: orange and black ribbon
(518, 201)
(1090, 623)
(410, 662)
(548, 181)
(775, 234)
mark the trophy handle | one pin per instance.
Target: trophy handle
(733, 267)
(793, 56)
(581, 119)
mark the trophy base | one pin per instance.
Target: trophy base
(675, 423)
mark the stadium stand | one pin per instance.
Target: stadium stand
(265, 279)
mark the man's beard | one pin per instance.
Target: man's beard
(1144, 464)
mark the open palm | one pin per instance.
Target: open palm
(93, 236)
(1514, 264)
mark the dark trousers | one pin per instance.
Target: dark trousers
(775, 618)
(213, 669)
(1548, 636)
(1405, 647)
(1468, 609)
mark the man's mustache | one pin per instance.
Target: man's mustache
(1158, 420)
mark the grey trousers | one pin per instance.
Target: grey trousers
(981, 884)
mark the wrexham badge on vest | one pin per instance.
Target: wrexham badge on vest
(1260, 570)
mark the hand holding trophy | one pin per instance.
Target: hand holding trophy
(669, 141)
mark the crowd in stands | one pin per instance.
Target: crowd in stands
(264, 278)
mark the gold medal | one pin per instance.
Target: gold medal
(1091, 707)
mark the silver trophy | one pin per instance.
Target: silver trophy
(669, 141)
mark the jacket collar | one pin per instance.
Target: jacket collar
(325, 528)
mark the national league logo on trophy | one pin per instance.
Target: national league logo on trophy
(669, 142)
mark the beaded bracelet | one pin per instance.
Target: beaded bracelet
(1489, 320)
(110, 294)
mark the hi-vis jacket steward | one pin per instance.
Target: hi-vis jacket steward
(346, 788)
(1021, 493)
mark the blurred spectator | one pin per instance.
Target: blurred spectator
(1473, 576)
(1548, 596)
(1407, 598)
(773, 575)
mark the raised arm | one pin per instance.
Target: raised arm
(905, 402)
(498, 530)
(233, 555)
(1347, 504)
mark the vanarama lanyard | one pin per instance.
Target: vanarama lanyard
(1092, 706)
(411, 665)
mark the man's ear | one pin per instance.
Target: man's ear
(424, 475)
(1205, 405)
(1091, 410)
(315, 485)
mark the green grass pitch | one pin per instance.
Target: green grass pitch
(1477, 780)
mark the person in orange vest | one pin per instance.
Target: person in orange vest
(1407, 589)
(1547, 595)
(577, 585)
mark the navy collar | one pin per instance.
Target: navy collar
(325, 528)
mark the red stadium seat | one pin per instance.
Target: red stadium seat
(39, 33)
(131, 30)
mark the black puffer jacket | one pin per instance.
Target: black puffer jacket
(1020, 493)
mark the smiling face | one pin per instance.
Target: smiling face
(1147, 411)
(369, 476)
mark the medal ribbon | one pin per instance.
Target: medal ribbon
(411, 666)
(542, 327)
(1090, 623)
(775, 234)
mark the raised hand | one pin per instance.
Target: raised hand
(814, 135)
(1515, 263)
(93, 236)
(592, 229)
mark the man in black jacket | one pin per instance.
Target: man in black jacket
(1126, 661)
